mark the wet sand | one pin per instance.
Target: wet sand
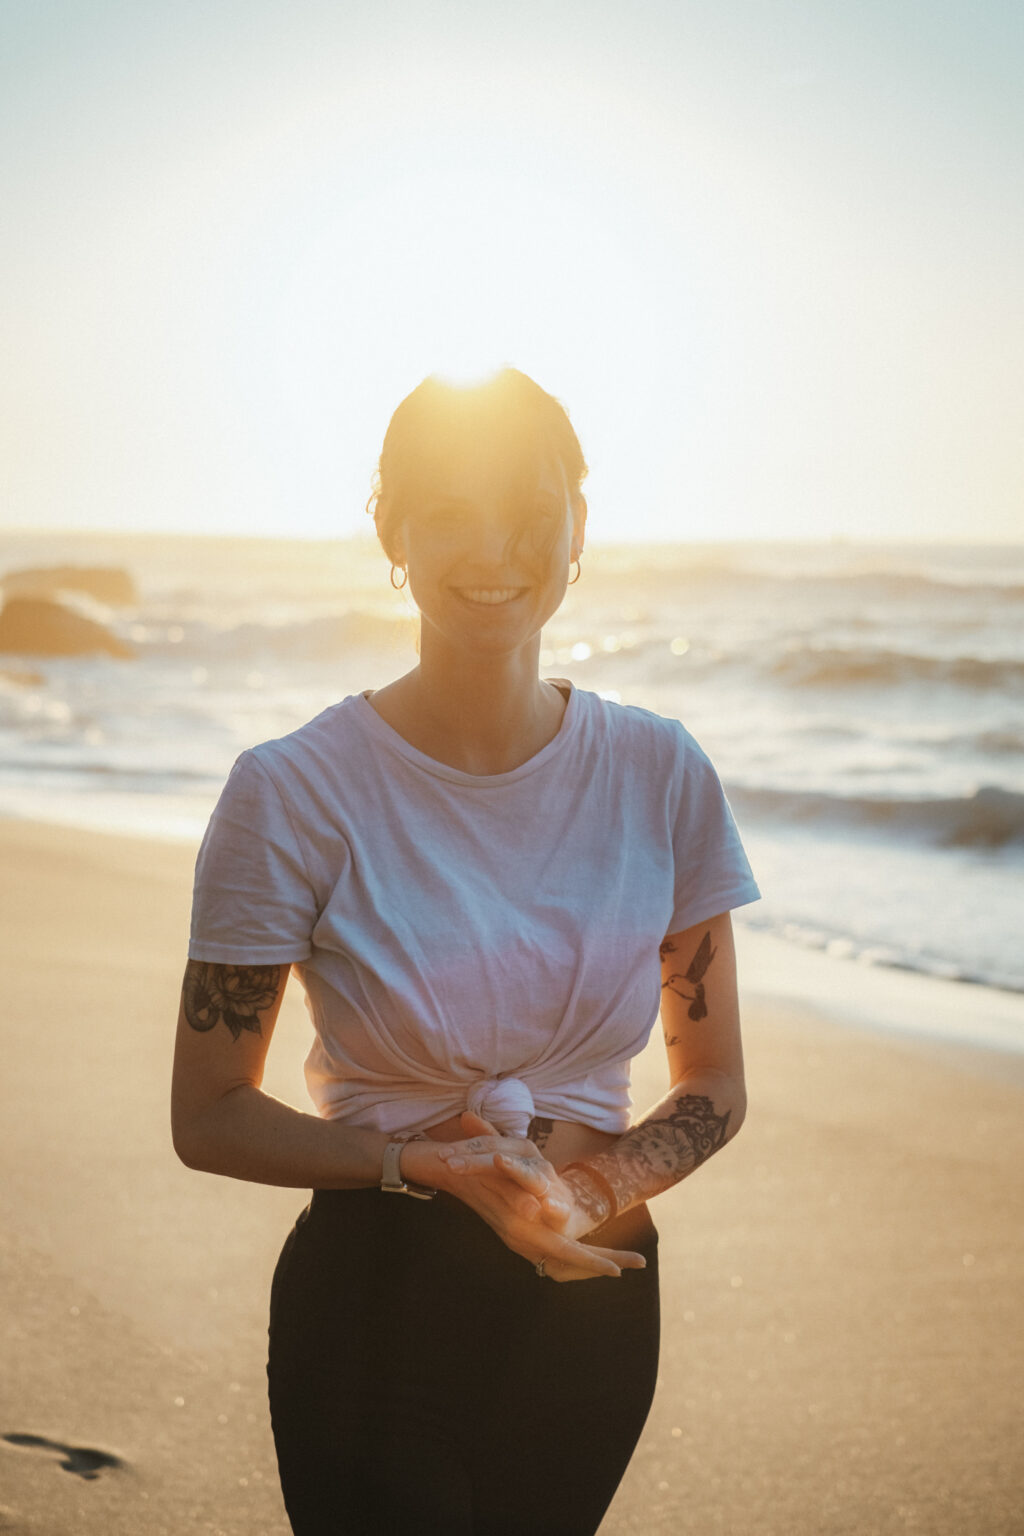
(841, 1286)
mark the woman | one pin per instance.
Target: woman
(471, 871)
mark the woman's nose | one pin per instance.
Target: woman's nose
(492, 534)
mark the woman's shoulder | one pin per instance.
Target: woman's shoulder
(326, 735)
(302, 772)
(291, 786)
(634, 728)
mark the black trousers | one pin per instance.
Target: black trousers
(423, 1378)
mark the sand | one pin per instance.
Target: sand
(841, 1286)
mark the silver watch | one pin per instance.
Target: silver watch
(391, 1180)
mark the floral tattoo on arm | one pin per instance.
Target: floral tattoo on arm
(234, 995)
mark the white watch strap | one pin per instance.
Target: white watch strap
(391, 1172)
(391, 1180)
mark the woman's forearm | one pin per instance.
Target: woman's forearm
(247, 1134)
(698, 1116)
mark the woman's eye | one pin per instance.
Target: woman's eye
(541, 521)
(441, 518)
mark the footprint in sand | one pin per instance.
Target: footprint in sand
(80, 1459)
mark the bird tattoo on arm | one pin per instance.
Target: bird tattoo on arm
(694, 977)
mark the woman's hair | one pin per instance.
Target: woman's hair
(439, 423)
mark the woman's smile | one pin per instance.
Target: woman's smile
(489, 597)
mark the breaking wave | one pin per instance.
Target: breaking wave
(814, 666)
(990, 818)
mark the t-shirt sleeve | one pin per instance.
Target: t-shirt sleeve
(712, 873)
(252, 901)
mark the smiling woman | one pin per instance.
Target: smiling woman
(472, 871)
(478, 501)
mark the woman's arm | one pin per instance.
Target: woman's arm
(222, 1122)
(703, 1109)
(706, 1104)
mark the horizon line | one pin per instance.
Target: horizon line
(832, 540)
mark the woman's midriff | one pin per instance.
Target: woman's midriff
(564, 1143)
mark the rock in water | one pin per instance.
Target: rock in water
(35, 626)
(108, 584)
(22, 677)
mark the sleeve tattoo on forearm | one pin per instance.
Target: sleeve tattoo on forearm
(656, 1154)
(233, 994)
(586, 1195)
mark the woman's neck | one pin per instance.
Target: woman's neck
(482, 715)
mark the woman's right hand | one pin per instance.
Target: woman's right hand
(526, 1220)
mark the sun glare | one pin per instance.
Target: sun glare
(738, 359)
(467, 374)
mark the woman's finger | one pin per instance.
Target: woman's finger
(515, 1201)
(533, 1175)
(476, 1125)
(472, 1157)
(568, 1250)
(624, 1257)
(565, 1272)
(553, 1212)
(564, 1250)
(528, 1236)
(562, 1274)
(497, 1196)
(556, 1269)
(531, 1237)
(532, 1196)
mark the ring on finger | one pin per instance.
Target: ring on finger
(541, 1268)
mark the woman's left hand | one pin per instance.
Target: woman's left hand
(486, 1152)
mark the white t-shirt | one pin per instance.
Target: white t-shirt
(465, 940)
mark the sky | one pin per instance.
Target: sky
(768, 253)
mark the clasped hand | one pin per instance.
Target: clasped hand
(512, 1186)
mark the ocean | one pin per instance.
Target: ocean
(864, 706)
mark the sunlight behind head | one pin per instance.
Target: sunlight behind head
(210, 326)
(505, 420)
(466, 374)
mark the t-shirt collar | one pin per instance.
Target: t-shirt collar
(388, 737)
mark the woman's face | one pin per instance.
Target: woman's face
(488, 553)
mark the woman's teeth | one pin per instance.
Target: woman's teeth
(489, 594)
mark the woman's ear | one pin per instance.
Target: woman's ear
(579, 526)
(396, 547)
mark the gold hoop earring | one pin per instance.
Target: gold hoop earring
(574, 579)
(398, 585)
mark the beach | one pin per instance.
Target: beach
(841, 1286)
